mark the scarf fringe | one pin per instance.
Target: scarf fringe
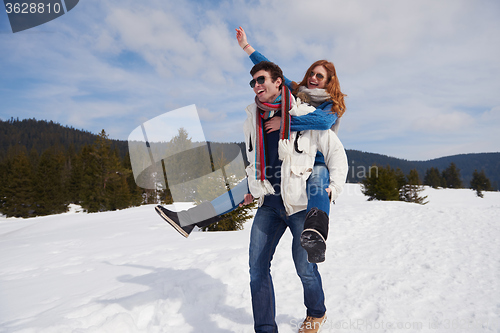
(265, 187)
(285, 149)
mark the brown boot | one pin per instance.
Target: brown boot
(312, 325)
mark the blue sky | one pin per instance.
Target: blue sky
(422, 77)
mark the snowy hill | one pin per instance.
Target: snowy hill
(390, 267)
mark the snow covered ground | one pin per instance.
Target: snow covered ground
(390, 267)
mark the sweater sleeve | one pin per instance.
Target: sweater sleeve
(320, 119)
(257, 57)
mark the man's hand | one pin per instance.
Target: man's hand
(329, 191)
(272, 124)
(248, 200)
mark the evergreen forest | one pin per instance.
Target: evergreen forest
(44, 167)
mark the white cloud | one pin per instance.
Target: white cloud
(436, 122)
(409, 68)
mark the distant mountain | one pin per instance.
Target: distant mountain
(467, 163)
(41, 134)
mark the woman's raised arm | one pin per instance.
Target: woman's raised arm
(241, 36)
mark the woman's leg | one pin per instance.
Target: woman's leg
(316, 185)
(315, 231)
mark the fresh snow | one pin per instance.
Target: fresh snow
(390, 267)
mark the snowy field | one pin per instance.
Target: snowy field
(390, 267)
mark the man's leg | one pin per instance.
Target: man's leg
(230, 200)
(314, 297)
(267, 229)
(205, 213)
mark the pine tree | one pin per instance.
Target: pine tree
(233, 220)
(34, 159)
(135, 191)
(413, 188)
(3, 183)
(18, 194)
(104, 186)
(92, 196)
(117, 190)
(48, 184)
(480, 183)
(75, 178)
(400, 180)
(451, 176)
(433, 178)
(180, 170)
(382, 185)
(216, 184)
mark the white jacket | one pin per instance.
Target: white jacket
(297, 155)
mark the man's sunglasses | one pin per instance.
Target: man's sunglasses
(318, 75)
(260, 80)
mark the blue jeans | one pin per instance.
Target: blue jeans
(317, 183)
(268, 226)
(317, 196)
(230, 200)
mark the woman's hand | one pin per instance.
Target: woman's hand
(241, 36)
(248, 200)
(272, 124)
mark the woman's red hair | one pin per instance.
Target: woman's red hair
(332, 85)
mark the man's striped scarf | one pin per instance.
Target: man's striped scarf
(266, 111)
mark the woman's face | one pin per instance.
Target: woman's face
(317, 78)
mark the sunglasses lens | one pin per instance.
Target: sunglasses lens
(259, 80)
(318, 75)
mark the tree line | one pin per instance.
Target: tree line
(467, 163)
(95, 177)
(98, 179)
(387, 183)
(45, 166)
(40, 135)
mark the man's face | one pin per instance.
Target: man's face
(266, 91)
